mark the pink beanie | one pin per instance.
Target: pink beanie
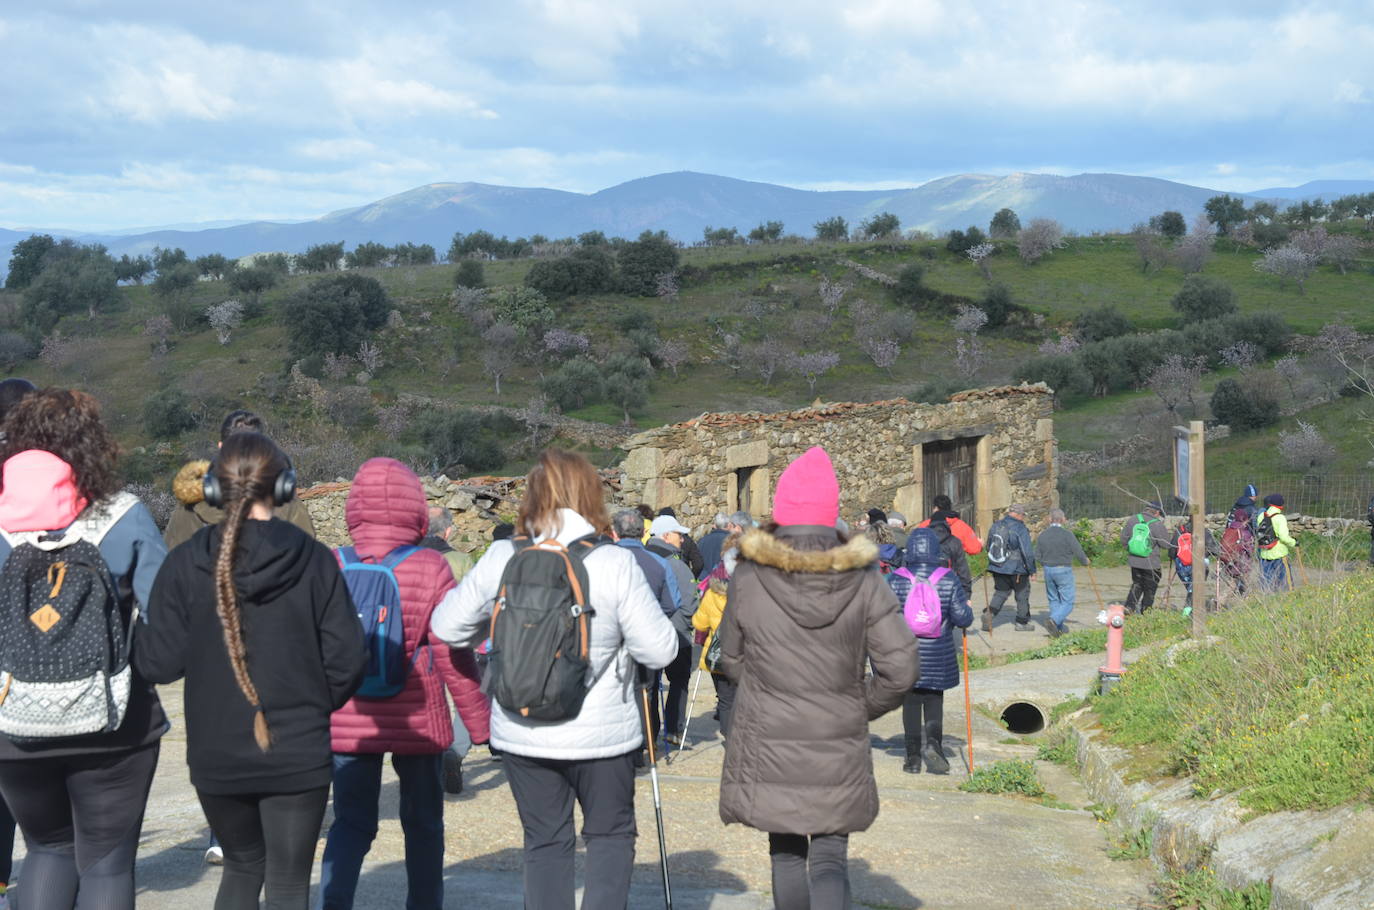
(808, 493)
(40, 493)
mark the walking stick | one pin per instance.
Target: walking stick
(1287, 573)
(1168, 586)
(691, 702)
(1302, 569)
(658, 798)
(1096, 593)
(968, 705)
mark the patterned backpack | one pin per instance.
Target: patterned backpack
(64, 644)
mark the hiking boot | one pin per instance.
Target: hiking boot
(673, 740)
(987, 620)
(912, 764)
(453, 773)
(936, 763)
(1023, 626)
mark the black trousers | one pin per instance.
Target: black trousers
(923, 712)
(7, 828)
(1003, 586)
(544, 790)
(1144, 584)
(679, 674)
(267, 838)
(810, 873)
(81, 817)
(725, 701)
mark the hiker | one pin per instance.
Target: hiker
(713, 543)
(436, 538)
(194, 513)
(663, 583)
(1057, 547)
(590, 755)
(923, 709)
(1369, 517)
(78, 799)
(1246, 502)
(691, 554)
(1144, 535)
(806, 606)
(955, 557)
(707, 619)
(387, 516)
(255, 588)
(12, 391)
(666, 537)
(881, 534)
(944, 511)
(897, 521)
(1237, 550)
(1011, 561)
(1182, 549)
(1274, 544)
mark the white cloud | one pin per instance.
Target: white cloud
(1348, 92)
(1224, 169)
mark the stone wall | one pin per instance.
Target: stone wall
(876, 449)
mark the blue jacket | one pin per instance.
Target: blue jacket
(710, 547)
(656, 572)
(939, 663)
(1020, 550)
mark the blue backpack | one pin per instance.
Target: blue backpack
(377, 595)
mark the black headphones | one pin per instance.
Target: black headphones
(283, 488)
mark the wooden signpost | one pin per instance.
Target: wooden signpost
(1190, 487)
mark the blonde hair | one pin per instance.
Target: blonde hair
(561, 480)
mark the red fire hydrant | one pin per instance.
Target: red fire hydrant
(1110, 675)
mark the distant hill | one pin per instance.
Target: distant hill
(1327, 189)
(684, 203)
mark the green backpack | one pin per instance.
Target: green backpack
(1140, 543)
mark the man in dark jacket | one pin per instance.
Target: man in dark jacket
(691, 554)
(665, 539)
(1145, 569)
(626, 526)
(711, 544)
(1011, 562)
(955, 557)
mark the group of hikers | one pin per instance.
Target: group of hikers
(302, 666)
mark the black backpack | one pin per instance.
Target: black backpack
(1266, 538)
(64, 643)
(539, 664)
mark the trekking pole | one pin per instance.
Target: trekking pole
(1168, 586)
(1302, 569)
(658, 798)
(1096, 591)
(691, 703)
(968, 704)
(1287, 573)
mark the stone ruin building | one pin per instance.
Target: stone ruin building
(985, 449)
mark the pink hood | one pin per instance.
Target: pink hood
(386, 508)
(40, 493)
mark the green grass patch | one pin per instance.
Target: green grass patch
(1006, 776)
(1135, 844)
(1153, 626)
(1280, 710)
(1200, 889)
(1058, 747)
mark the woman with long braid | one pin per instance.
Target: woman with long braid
(256, 616)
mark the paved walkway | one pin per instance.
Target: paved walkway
(931, 847)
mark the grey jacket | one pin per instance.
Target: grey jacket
(1020, 550)
(1159, 536)
(1057, 546)
(688, 595)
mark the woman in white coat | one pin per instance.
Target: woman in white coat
(589, 757)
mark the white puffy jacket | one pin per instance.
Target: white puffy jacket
(628, 627)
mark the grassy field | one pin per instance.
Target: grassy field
(748, 291)
(1279, 709)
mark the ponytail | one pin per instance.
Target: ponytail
(247, 469)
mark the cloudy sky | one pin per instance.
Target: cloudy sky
(150, 112)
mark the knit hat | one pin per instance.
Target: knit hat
(923, 548)
(1154, 507)
(1274, 499)
(877, 517)
(808, 493)
(1250, 491)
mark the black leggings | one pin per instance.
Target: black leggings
(928, 702)
(81, 817)
(810, 873)
(266, 837)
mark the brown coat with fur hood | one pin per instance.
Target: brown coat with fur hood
(192, 513)
(805, 610)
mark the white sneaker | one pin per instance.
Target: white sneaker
(214, 856)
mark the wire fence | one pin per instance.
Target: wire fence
(1324, 495)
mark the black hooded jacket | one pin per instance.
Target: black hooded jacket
(304, 647)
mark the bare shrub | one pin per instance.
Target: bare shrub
(672, 353)
(1195, 250)
(1305, 449)
(224, 318)
(159, 329)
(832, 294)
(338, 366)
(499, 351)
(882, 351)
(979, 255)
(767, 357)
(1287, 263)
(1041, 237)
(1176, 380)
(1242, 355)
(370, 356)
(811, 367)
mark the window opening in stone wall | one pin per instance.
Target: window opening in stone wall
(744, 482)
(950, 467)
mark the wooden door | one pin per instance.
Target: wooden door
(950, 468)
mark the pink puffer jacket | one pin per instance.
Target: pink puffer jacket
(387, 509)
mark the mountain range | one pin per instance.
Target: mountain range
(684, 203)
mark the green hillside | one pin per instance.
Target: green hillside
(745, 293)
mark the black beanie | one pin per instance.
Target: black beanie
(877, 517)
(1274, 499)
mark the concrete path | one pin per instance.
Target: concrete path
(931, 847)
